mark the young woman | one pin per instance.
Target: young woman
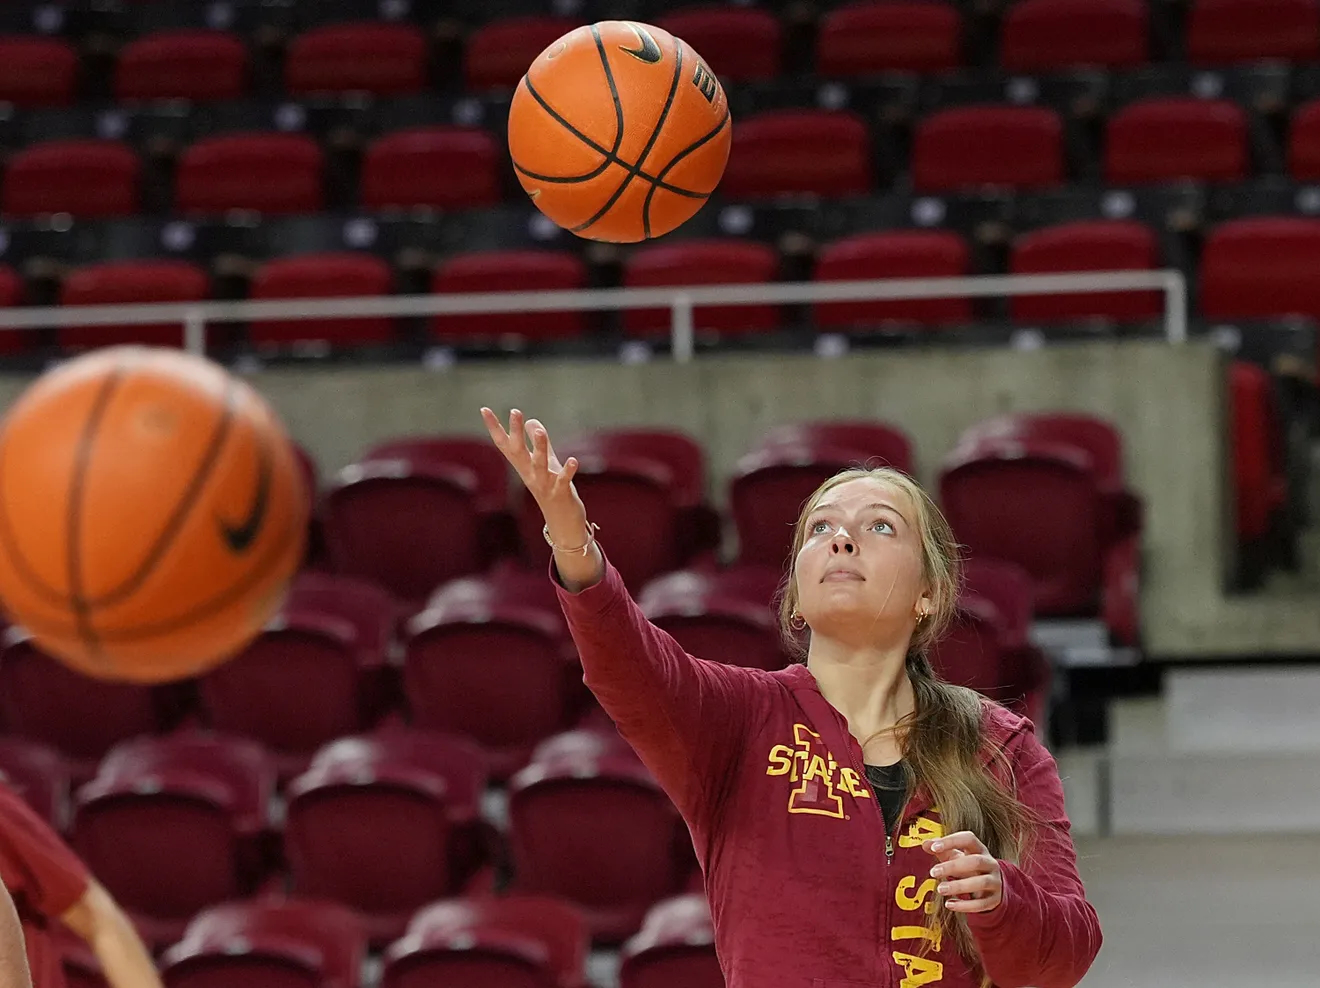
(858, 822)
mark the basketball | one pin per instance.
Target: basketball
(619, 131)
(152, 513)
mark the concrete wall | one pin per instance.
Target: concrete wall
(1167, 401)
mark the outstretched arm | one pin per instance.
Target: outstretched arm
(124, 959)
(13, 951)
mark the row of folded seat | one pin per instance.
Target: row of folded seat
(1150, 141)
(738, 42)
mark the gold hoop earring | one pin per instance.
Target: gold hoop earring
(796, 621)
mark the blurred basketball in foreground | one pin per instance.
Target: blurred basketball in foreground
(152, 513)
(619, 131)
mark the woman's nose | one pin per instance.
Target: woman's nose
(842, 542)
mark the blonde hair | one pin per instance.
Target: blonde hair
(943, 739)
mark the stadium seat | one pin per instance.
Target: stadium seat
(1259, 477)
(599, 832)
(712, 620)
(1304, 143)
(1087, 245)
(503, 271)
(268, 943)
(336, 275)
(893, 254)
(493, 667)
(1177, 138)
(1028, 675)
(675, 946)
(740, 44)
(385, 824)
(131, 282)
(37, 72)
(266, 173)
(44, 700)
(383, 59)
(770, 484)
(14, 293)
(1261, 267)
(38, 773)
(89, 179)
(869, 38)
(497, 54)
(974, 147)
(702, 262)
(406, 523)
(202, 66)
(195, 804)
(313, 674)
(1052, 35)
(1226, 31)
(437, 167)
(509, 940)
(776, 153)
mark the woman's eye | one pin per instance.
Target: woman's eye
(883, 524)
(819, 527)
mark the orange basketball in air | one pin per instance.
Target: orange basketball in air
(619, 131)
(152, 513)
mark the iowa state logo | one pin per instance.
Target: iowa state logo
(820, 782)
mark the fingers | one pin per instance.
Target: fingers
(540, 440)
(975, 886)
(981, 905)
(963, 840)
(567, 474)
(965, 866)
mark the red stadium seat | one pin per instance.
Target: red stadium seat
(1100, 245)
(777, 153)
(436, 167)
(89, 179)
(1167, 140)
(493, 941)
(45, 701)
(489, 468)
(195, 65)
(1261, 267)
(702, 262)
(405, 523)
(13, 293)
(131, 282)
(1259, 478)
(385, 824)
(1049, 35)
(973, 147)
(868, 38)
(893, 254)
(1225, 31)
(772, 482)
(37, 72)
(713, 621)
(194, 804)
(491, 666)
(1304, 143)
(368, 56)
(740, 44)
(497, 54)
(599, 832)
(675, 946)
(312, 675)
(268, 943)
(266, 173)
(1098, 438)
(503, 271)
(337, 275)
(39, 774)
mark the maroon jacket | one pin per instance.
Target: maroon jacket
(806, 888)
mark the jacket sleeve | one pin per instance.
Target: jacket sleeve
(685, 717)
(1044, 933)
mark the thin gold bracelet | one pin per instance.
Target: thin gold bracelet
(592, 529)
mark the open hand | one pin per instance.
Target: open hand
(969, 875)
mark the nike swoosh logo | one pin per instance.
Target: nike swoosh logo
(240, 537)
(649, 52)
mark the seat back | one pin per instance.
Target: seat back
(497, 54)
(740, 44)
(868, 38)
(1226, 31)
(1104, 245)
(196, 65)
(1175, 138)
(445, 167)
(374, 57)
(274, 174)
(893, 254)
(777, 153)
(329, 275)
(90, 179)
(701, 262)
(1050, 35)
(969, 148)
(37, 71)
(503, 271)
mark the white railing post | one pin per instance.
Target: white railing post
(1175, 307)
(683, 333)
(194, 332)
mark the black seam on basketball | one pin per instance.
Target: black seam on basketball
(611, 156)
(650, 143)
(614, 89)
(73, 523)
(699, 142)
(22, 568)
(187, 501)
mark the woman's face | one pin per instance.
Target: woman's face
(859, 574)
